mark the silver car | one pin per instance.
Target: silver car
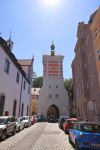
(26, 121)
(7, 126)
(19, 124)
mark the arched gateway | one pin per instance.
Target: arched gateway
(53, 110)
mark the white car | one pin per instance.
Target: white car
(19, 124)
(26, 121)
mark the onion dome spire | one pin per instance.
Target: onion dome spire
(52, 49)
(10, 42)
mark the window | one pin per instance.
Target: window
(2, 101)
(28, 90)
(22, 109)
(76, 126)
(7, 66)
(98, 51)
(12, 119)
(24, 85)
(50, 96)
(17, 77)
(98, 54)
(27, 110)
(49, 86)
(56, 86)
(91, 80)
(57, 95)
(14, 108)
(95, 106)
(99, 57)
(33, 96)
(37, 96)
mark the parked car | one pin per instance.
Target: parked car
(51, 118)
(33, 119)
(85, 135)
(62, 120)
(7, 126)
(19, 124)
(68, 124)
(40, 118)
(27, 121)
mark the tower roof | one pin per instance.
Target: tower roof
(52, 49)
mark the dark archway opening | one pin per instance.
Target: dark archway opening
(53, 110)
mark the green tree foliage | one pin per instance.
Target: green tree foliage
(69, 86)
(38, 82)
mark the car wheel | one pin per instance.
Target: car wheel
(69, 139)
(4, 134)
(76, 146)
(18, 129)
(14, 131)
(66, 132)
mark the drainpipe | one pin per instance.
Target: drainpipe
(20, 97)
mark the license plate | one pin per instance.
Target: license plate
(95, 145)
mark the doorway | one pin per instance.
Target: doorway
(53, 110)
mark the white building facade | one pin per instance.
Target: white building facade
(15, 88)
(53, 97)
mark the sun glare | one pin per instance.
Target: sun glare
(51, 2)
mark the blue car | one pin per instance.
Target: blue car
(85, 135)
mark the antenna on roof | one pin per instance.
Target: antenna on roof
(33, 57)
(10, 35)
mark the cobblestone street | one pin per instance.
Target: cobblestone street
(52, 139)
(41, 136)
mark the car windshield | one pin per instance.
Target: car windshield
(26, 118)
(91, 127)
(17, 119)
(3, 121)
(71, 121)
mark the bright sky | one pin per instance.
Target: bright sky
(35, 23)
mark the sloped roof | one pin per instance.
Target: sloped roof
(92, 17)
(25, 62)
